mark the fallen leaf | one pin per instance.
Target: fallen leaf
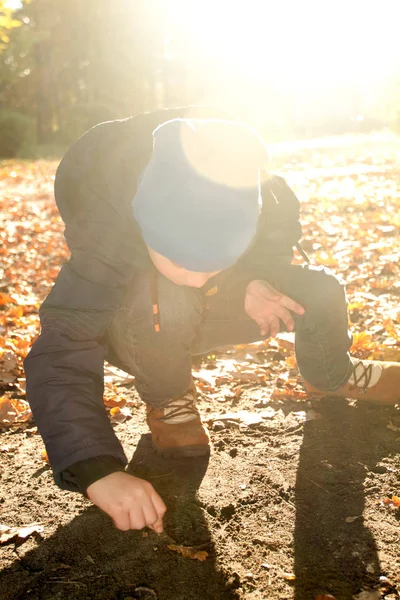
(9, 361)
(14, 411)
(291, 362)
(18, 535)
(6, 299)
(189, 552)
(352, 519)
(119, 415)
(362, 342)
(393, 502)
(114, 401)
(392, 427)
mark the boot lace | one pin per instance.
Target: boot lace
(187, 407)
(363, 378)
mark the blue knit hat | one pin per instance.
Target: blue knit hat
(198, 200)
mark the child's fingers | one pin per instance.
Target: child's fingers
(274, 325)
(292, 305)
(286, 317)
(122, 521)
(150, 513)
(159, 505)
(157, 526)
(137, 519)
(267, 292)
(263, 325)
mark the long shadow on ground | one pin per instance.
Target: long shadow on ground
(89, 558)
(334, 551)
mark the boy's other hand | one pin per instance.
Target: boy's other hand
(131, 502)
(266, 306)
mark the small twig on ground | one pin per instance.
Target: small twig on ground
(67, 582)
(318, 485)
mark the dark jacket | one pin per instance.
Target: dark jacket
(94, 186)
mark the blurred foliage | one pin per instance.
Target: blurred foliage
(17, 133)
(7, 23)
(73, 63)
(68, 64)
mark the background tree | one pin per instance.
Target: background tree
(68, 64)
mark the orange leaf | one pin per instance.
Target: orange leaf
(5, 406)
(118, 415)
(362, 341)
(114, 401)
(291, 362)
(391, 329)
(16, 312)
(327, 259)
(6, 299)
(189, 552)
(13, 411)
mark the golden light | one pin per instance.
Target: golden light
(297, 42)
(309, 48)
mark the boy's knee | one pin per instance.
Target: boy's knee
(326, 291)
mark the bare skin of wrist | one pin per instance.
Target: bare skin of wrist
(131, 502)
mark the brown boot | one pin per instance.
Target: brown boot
(177, 430)
(371, 381)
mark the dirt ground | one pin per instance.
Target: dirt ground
(273, 507)
(289, 506)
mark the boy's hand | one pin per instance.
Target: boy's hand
(131, 502)
(266, 307)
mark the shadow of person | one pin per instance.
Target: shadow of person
(90, 559)
(177, 481)
(335, 553)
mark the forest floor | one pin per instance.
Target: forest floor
(299, 498)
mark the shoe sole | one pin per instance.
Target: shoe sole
(183, 451)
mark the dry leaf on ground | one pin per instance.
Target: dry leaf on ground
(13, 411)
(18, 535)
(120, 415)
(189, 552)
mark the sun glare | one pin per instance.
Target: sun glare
(323, 42)
(13, 4)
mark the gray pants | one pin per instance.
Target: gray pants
(193, 323)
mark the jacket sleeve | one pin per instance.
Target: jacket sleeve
(278, 231)
(64, 368)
